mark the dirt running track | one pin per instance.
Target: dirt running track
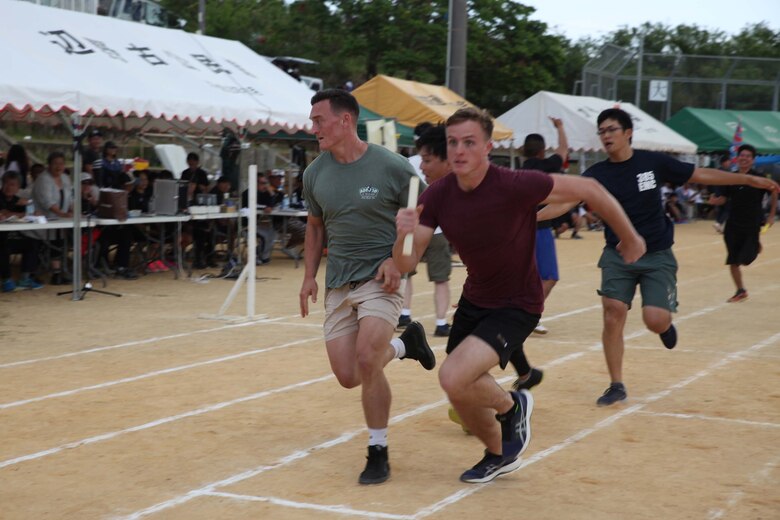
(136, 407)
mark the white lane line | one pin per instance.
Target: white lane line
(141, 342)
(736, 496)
(339, 509)
(155, 373)
(295, 456)
(350, 435)
(159, 422)
(712, 418)
(536, 457)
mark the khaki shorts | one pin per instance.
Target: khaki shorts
(439, 259)
(350, 303)
(655, 273)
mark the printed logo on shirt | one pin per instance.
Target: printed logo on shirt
(369, 193)
(646, 181)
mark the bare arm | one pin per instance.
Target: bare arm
(715, 177)
(551, 211)
(312, 254)
(563, 142)
(571, 189)
(407, 221)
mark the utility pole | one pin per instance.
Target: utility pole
(201, 16)
(638, 94)
(456, 47)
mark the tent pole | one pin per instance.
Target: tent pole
(77, 131)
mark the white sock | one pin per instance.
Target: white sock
(440, 322)
(377, 437)
(406, 312)
(399, 347)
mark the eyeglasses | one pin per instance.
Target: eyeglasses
(609, 130)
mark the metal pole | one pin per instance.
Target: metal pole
(456, 47)
(638, 93)
(201, 16)
(76, 181)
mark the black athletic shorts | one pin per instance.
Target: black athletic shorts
(742, 244)
(504, 329)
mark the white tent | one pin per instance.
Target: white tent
(579, 119)
(132, 76)
(111, 73)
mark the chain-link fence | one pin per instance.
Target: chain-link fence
(669, 82)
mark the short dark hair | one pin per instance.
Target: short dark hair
(725, 158)
(420, 129)
(192, 156)
(223, 179)
(533, 145)
(749, 148)
(434, 139)
(12, 176)
(621, 116)
(340, 101)
(53, 156)
(473, 114)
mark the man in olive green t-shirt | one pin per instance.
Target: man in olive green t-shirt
(354, 190)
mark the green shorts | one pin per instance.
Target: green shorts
(656, 274)
(439, 259)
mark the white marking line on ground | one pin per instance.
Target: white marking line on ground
(536, 457)
(265, 321)
(461, 494)
(712, 418)
(159, 422)
(341, 510)
(737, 495)
(140, 342)
(147, 375)
(297, 455)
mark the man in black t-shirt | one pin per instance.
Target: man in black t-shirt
(744, 221)
(634, 178)
(196, 176)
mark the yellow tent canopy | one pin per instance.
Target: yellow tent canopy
(412, 103)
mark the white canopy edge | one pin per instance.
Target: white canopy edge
(139, 76)
(579, 115)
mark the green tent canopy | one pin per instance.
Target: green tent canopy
(713, 130)
(405, 134)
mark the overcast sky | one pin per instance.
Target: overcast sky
(578, 18)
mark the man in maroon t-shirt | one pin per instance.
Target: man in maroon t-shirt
(489, 215)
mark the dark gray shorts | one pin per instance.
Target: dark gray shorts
(655, 273)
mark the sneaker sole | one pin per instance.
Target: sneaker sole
(599, 403)
(370, 481)
(503, 470)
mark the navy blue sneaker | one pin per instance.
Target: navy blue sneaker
(516, 425)
(616, 392)
(490, 467)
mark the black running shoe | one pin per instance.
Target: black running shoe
(616, 392)
(534, 379)
(404, 321)
(377, 468)
(516, 425)
(442, 331)
(669, 338)
(417, 346)
(489, 468)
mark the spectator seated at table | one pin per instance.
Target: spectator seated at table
(12, 242)
(141, 194)
(115, 177)
(265, 229)
(224, 226)
(196, 176)
(296, 228)
(52, 196)
(90, 195)
(16, 160)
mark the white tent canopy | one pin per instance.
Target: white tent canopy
(579, 120)
(136, 76)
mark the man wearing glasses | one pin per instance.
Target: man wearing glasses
(634, 178)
